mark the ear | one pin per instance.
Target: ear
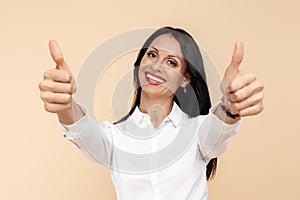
(186, 80)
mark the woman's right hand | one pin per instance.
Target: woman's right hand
(58, 86)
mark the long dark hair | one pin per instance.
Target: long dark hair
(196, 89)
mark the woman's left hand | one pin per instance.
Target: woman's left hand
(243, 93)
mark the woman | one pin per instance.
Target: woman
(172, 100)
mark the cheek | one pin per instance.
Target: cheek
(175, 76)
(144, 61)
(141, 68)
(141, 74)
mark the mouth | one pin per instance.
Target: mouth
(153, 79)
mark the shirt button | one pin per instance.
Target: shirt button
(164, 123)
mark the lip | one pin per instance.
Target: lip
(151, 82)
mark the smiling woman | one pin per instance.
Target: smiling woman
(171, 108)
(161, 66)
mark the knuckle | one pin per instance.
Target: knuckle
(48, 73)
(260, 86)
(252, 76)
(258, 109)
(43, 96)
(42, 85)
(260, 96)
(49, 86)
(235, 107)
(230, 87)
(231, 98)
(46, 85)
(48, 107)
(68, 106)
(70, 88)
(243, 113)
(68, 77)
(68, 98)
(257, 98)
(236, 96)
(261, 107)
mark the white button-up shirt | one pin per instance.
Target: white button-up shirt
(147, 163)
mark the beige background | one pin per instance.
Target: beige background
(262, 162)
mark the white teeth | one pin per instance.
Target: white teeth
(153, 78)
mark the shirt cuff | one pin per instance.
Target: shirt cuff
(73, 130)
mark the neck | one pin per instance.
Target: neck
(156, 107)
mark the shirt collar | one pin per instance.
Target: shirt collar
(175, 115)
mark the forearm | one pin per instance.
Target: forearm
(214, 131)
(94, 141)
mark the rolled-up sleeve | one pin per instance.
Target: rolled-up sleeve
(214, 134)
(93, 140)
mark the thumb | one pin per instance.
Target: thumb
(237, 57)
(57, 56)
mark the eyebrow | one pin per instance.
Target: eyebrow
(169, 54)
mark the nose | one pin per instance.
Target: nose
(157, 66)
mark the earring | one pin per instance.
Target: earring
(184, 90)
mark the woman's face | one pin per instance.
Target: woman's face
(163, 68)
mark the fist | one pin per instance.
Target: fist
(243, 93)
(58, 85)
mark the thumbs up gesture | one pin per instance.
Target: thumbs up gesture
(58, 84)
(243, 93)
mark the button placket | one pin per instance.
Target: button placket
(155, 186)
(154, 163)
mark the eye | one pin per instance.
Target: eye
(152, 54)
(172, 62)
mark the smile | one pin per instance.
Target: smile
(154, 79)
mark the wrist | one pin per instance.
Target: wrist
(226, 111)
